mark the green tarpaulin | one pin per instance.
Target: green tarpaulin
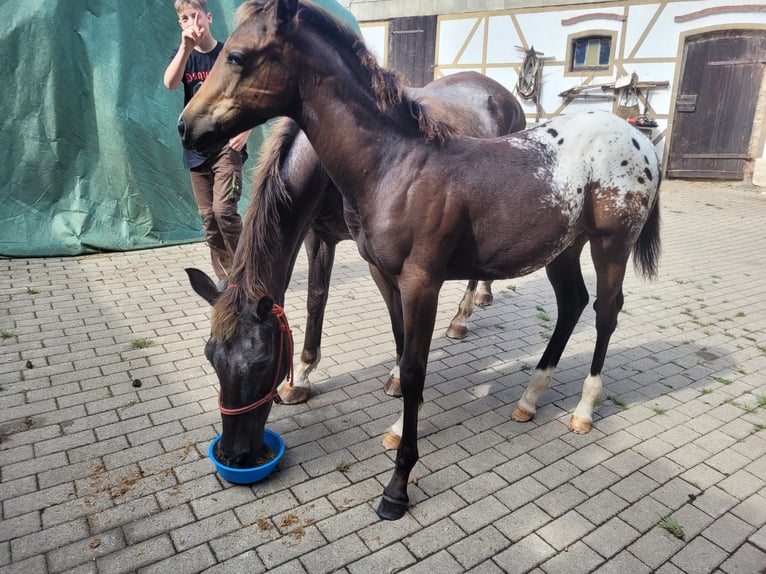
(90, 159)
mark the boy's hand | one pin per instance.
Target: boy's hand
(239, 140)
(192, 35)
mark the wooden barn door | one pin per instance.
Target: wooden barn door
(411, 49)
(715, 107)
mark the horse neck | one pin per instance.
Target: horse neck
(340, 117)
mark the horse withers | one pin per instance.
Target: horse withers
(544, 193)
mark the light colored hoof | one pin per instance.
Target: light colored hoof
(291, 395)
(521, 416)
(393, 387)
(483, 299)
(391, 441)
(579, 425)
(455, 331)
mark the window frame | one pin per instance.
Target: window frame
(607, 70)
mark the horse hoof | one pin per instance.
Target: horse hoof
(393, 387)
(455, 331)
(483, 299)
(521, 416)
(391, 508)
(579, 426)
(291, 395)
(391, 441)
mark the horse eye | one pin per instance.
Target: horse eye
(235, 59)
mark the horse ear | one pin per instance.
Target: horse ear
(286, 10)
(203, 285)
(263, 309)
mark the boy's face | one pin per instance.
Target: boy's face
(190, 16)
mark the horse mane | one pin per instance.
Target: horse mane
(386, 85)
(261, 233)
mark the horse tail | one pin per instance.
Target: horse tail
(646, 251)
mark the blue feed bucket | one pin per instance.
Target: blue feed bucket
(256, 473)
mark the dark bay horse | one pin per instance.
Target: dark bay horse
(415, 189)
(293, 198)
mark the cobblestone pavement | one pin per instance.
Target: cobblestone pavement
(99, 475)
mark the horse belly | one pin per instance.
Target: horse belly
(516, 239)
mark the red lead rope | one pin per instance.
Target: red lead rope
(284, 333)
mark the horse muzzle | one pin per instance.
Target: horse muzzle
(201, 141)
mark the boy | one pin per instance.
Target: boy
(216, 180)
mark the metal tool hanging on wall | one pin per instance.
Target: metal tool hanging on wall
(530, 77)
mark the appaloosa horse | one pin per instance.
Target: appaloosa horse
(432, 206)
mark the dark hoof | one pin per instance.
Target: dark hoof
(393, 387)
(392, 509)
(455, 331)
(291, 395)
(483, 299)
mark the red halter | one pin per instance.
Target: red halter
(284, 333)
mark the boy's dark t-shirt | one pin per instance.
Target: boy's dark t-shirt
(198, 68)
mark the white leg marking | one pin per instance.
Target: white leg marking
(395, 374)
(591, 389)
(541, 380)
(398, 426)
(302, 376)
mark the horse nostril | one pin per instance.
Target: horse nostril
(181, 128)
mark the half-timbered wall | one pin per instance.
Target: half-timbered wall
(648, 39)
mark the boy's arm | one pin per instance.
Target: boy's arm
(175, 70)
(190, 37)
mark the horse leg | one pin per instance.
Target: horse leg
(393, 301)
(321, 255)
(483, 296)
(458, 327)
(565, 276)
(419, 315)
(610, 257)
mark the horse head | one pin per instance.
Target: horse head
(250, 349)
(251, 81)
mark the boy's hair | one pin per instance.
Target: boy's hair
(198, 4)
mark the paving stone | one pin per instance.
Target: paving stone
(335, 554)
(199, 531)
(715, 501)
(728, 532)
(522, 522)
(747, 558)
(480, 486)
(386, 560)
(623, 562)
(562, 499)
(478, 548)
(602, 507)
(611, 537)
(644, 514)
(699, 555)
(480, 514)
(655, 547)
(432, 538)
(440, 562)
(48, 539)
(134, 557)
(565, 530)
(524, 554)
(249, 562)
(573, 559)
